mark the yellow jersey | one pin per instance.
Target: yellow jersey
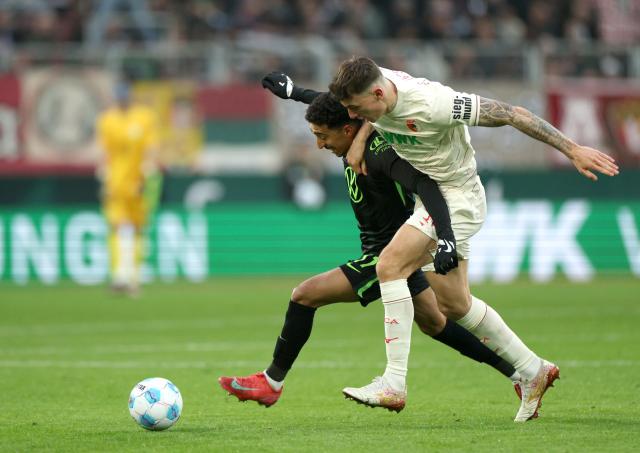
(126, 135)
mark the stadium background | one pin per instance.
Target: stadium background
(230, 148)
(249, 205)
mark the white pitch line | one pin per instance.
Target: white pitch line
(131, 325)
(322, 364)
(174, 365)
(597, 363)
(150, 348)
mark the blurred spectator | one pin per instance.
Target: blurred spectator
(108, 14)
(619, 21)
(403, 20)
(580, 26)
(509, 27)
(203, 20)
(366, 18)
(303, 177)
(543, 20)
(437, 20)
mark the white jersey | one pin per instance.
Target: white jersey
(428, 128)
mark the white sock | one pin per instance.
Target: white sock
(398, 319)
(275, 385)
(486, 324)
(126, 247)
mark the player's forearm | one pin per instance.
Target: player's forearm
(359, 143)
(436, 206)
(428, 191)
(305, 95)
(496, 113)
(355, 155)
(363, 133)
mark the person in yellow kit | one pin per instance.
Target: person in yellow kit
(128, 135)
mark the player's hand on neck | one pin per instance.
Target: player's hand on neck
(355, 155)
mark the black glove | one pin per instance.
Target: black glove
(279, 84)
(446, 257)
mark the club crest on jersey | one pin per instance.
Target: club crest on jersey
(378, 144)
(352, 183)
(411, 125)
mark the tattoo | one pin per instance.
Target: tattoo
(496, 113)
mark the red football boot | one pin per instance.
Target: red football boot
(251, 388)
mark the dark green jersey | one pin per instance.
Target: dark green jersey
(380, 204)
(382, 201)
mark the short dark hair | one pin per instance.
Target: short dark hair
(325, 110)
(354, 76)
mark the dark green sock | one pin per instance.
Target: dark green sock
(298, 323)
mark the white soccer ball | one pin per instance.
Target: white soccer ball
(155, 404)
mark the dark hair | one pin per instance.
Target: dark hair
(325, 110)
(354, 76)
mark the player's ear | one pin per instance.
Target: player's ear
(350, 130)
(378, 92)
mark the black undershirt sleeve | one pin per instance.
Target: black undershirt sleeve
(304, 95)
(427, 189)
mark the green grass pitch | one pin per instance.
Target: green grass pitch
(70, 355)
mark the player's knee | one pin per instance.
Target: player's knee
(303, 294)
(385, 268)
(299, 294)
(392, 265)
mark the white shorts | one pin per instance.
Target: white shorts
(467, 208)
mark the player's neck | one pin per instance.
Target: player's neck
(393, 96)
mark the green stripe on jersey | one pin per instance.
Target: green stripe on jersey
(401, 193)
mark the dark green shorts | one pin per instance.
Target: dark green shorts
(361, 273)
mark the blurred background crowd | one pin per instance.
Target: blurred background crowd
(474, 31)
(509, 21)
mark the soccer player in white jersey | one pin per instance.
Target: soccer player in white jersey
(426, 122)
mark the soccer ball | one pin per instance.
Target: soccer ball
(155, 404)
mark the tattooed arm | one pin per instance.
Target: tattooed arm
(496, 113)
